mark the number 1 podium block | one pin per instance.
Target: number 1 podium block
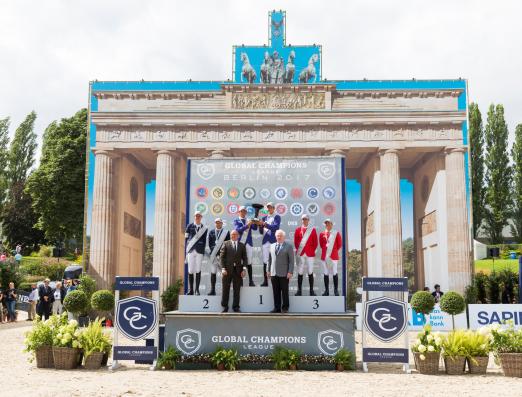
(261, 300)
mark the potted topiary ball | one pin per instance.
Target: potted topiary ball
(422, 302)
(77, 303)
(103, 301)
(452, 303)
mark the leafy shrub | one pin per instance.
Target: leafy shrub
(505, 339)
(471, 294)
(228, 357)
(427, 342)
(454, 344)
(345, 358)
(479, 282)
(45, 251)
(76, 302)
(492, 288)
(477, 344)
(168, 358)
(93, 339)
(88, 286)
(68, 335)
(10, 272)
(170, 296)
(39, 336)
(48, 268)
(284, 358)
(102, 300)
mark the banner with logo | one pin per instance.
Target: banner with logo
(438, 320)
(317, 334)
(297, 185)
(481, 315)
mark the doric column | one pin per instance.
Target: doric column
(459, 263)
(391, 224)
(102, 234)
(163, 257)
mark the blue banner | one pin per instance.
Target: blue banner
(383, 355)
(137, 283)
(135, 353)
(385, 284)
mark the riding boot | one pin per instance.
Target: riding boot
(265, 276)
(336, 284)
(198, 279)
(299, 285)
(311, 282)
(326, 285)
(191, 285)
(250, 280)
(212, 284)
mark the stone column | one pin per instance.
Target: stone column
(391, 223)
(163, 256)
(459, 263)
(102, 234)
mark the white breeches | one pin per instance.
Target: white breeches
(301, 260)
(215, 265)
(249, 251)
(194, 262)
(329, 269)
(266, 252)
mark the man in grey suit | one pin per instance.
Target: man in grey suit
(281, 267)
(234, 260)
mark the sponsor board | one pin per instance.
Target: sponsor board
(483, 314)
(438, 320)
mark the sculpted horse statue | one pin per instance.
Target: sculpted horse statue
(309, 72)
(247, 71)
(265, 68)
(290, 68)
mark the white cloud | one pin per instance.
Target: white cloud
(49, 50)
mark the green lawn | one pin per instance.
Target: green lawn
(486, 265)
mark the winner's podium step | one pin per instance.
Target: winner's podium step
(261, 300)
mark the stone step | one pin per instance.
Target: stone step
(261, 300)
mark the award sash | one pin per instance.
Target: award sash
(195, 239)
(217, 247)
(304, 240)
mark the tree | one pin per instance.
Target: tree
(57, 187)
(516, 217)
(17, 215)
(476, 135)
(22, 150)
(4, 157)
(354, 274)
(18, 219)
(408, 260)
(498, 174)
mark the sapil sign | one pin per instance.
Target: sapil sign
(481, 315)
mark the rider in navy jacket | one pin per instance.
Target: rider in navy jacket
(268, 226)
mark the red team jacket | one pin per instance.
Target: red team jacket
(323, 239)
(311, 245)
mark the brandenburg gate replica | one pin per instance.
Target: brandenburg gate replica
(278, 132)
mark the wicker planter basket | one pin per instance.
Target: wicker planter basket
(455, 365)
(94, 360)
(511, 364)
(65, 357)
(428, 366)
(44, 357)
(478, 365)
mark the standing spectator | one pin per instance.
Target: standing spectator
(45, 296)
(71, 286)
(18, 248)
(58, 297)
(437, 294)
(10, 296)
(33, 298)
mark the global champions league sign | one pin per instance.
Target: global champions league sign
(189, 341)
(385, 318)
(136, 317)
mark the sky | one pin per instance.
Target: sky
(50, 50)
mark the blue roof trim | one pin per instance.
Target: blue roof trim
(341, 85)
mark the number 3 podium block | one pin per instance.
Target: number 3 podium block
(261, 300)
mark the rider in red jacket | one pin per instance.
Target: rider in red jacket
(305, 252)
(331, 242)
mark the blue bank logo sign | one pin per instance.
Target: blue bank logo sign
(385, 318)
(136, 317)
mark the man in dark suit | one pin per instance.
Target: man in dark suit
(45, 297)
(233, 264)
(281, 268)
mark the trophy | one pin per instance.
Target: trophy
(257, 208)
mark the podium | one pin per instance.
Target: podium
(261, 300)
